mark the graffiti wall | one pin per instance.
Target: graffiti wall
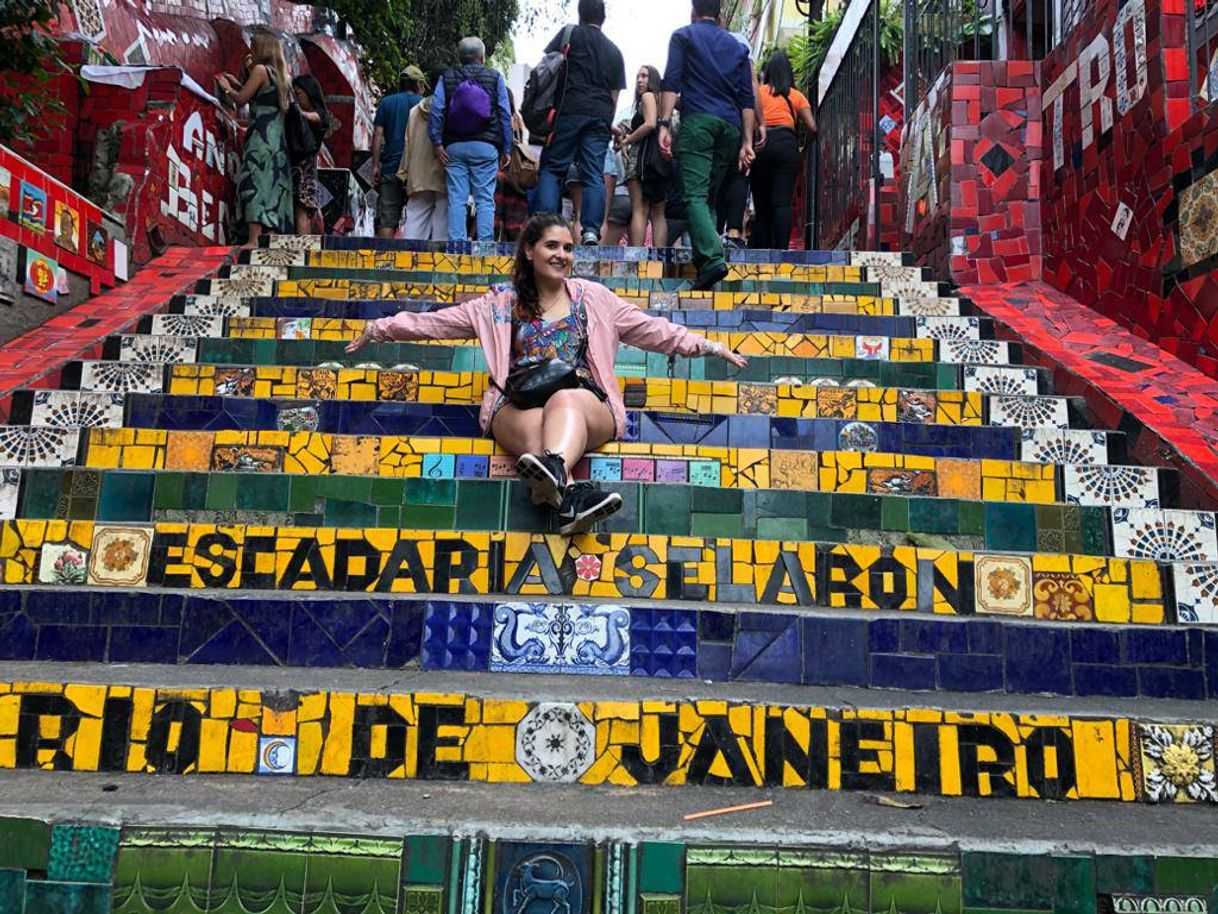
(93, 869)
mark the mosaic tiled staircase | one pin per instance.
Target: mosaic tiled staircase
(961, 588)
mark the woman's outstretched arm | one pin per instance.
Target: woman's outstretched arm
(456, 322)
(656, 334)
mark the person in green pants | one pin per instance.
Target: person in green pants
(709, 69)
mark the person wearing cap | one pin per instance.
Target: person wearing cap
(388, 144)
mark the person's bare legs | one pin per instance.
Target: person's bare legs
(638, 214)
(570, 424)
(303, 217)
(254, 232)
(659, 224)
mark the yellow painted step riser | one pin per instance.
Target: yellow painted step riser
(864, 404)
(424, 735)
(615, 566)
(319, 454)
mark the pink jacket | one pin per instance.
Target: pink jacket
(489, 318)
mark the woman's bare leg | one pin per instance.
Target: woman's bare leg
(575, 422)
(659, 224)
(638, 214)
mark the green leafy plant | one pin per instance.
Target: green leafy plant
(32, 60)
(807, 49)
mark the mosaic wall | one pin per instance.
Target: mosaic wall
(430, 736)
(89, 869)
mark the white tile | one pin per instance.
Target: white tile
(252, 282)
(948, 328)
(1008, 381)
(218, 305)
(77, 409)
(1112, 486)
(892, 273)
(590, 639)
(139, 348)
(122, 377)
(296, 242)
(872, 348)
(1030, 412)
(38, 446)
(875, 258)
(193, 325)
(929, 307)
(10, 489)
(278, 257)
(975, 352)
(1196, 592)
(1164, 536)
(1062, 446)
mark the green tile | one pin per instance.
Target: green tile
(83, 853)
(716, 501)
(934, 515)
(12, 891)
(1075, 887)
(194, 490)
(40, 497)
(730, 525)
(345, 488)
(25, 844)
(432, 491)
(388, 491)
(1010, 526)
(854, 512)
(1094, 524)
(665, 509)
(168, 492)
(782, 528)
(479, 505)
(1116, 874)
(996, 880)
(1187, 875)
(126, 497)
(972, 518)
(339, 513)
(66, 898)
(389, 517)
(661, 867)
(304, 494)
(894, 514)
(222, 491)
(263, 492)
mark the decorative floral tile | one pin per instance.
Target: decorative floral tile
(234, 382)
(305, 243)
(876, 258)
(860, 382)
(893, 273)
(119, 556)
(251, 282)
(975, 352)
(1176, 763)
(948, 328)
(1046, 445)
(561, 637)
(76, 409)
(1061, 597)
(298, 419)
(38, 446)
(1164, 536)
(872, 348)
(189, 325)
(10, 490)
(176, 349)
(555, 742)
(1003, 585)
(122, 377)
(1196, 592)
(910, 288)
(929, 307)
(1112, 486)
(278, 257)
(1030, 412)
(1012, 382)
(63, 563)
(215, 306)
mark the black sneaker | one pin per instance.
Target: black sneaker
(546, 475)
(708, 279)
(583, 504)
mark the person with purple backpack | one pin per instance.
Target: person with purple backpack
(471, 130)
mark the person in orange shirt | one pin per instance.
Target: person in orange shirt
(783, 108)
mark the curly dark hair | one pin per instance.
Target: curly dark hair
(527, 307)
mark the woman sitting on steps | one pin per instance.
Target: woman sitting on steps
(550, 344)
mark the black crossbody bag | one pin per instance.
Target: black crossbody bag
(532, 386)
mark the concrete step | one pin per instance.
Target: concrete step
(498, 728)
(664, 640)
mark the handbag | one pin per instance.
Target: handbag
(522, 169)
(302, 140)
(652, 164)
(532, 386)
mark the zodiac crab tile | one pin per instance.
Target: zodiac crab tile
(948, 328)
(1080, 446)
(77, 409)
(157, 349)
(1111, 486)
(1007, 381)
(1196, 587)
(187, 325)
(561, 637)
(1164, 536)
(975, 352)
(1030, 412)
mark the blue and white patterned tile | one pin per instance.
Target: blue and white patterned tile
(664, 643)
(948, 328)
(188, 325)
(1063, 446)
(975, 352)
(77, 409)
(158, 349)
(1111, 486)
(1030, 412)
(1196, 586)
(589, 639)
(1164, 536)
(457, 636)
(1003, 380)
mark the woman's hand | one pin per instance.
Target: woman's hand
(732, 358)
(362, 340)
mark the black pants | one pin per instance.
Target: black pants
(773, 182)
(733, 198)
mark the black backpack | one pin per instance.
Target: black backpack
(543, 90)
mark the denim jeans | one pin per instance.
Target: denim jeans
(584, 139)
(472, 169)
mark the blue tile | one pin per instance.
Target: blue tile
(1211, 662)
(970, 672)
(143, 644)
(664, 643)
(714, 662)
(766, 651)
(984, 636)
(211, 633)
(71, 642)
(897, 671)
(836, 650)
(1101, 679)
(18, 638)
(885, 636)
(124, 607)
(1165, 682)
(714, 625)
(1095, 645)
(1157, 645)
(1038, 659)
(933, 636)
(457, 636)
(405, 632)
(1196, 647)
(58, 607)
